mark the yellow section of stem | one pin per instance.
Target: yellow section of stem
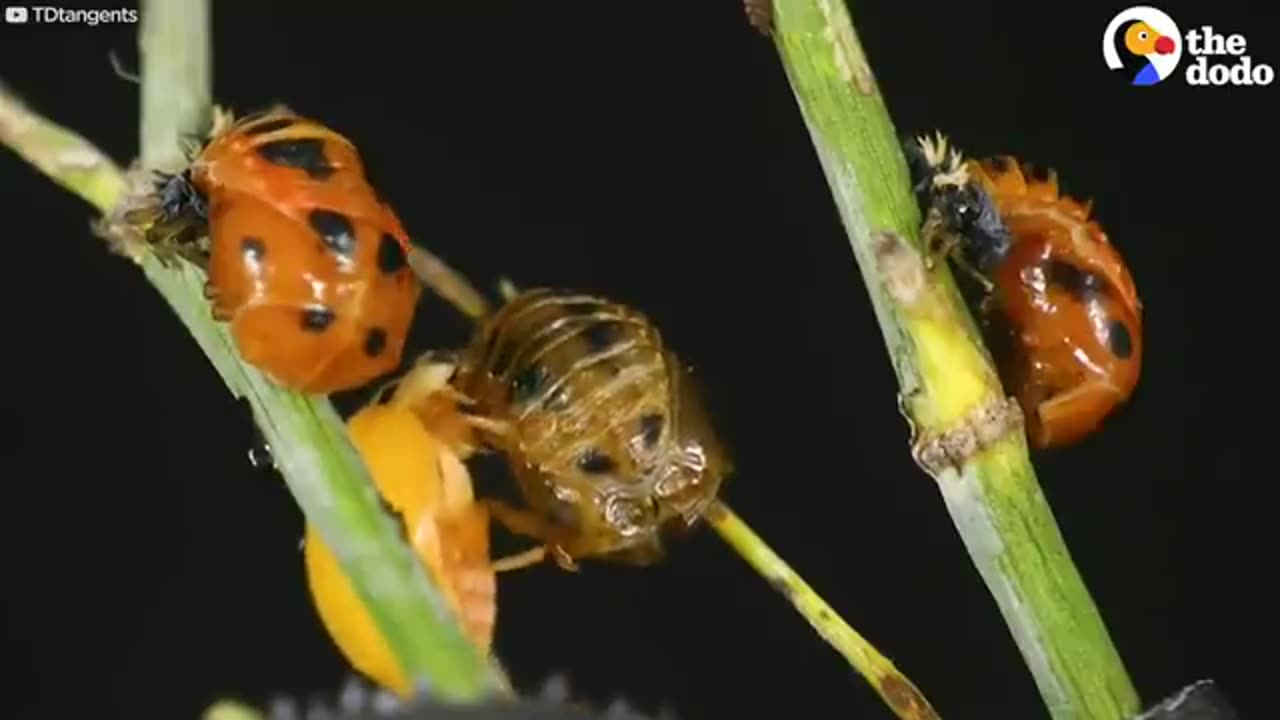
(906, 701)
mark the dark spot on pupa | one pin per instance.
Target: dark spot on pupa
(601, 335)
(998, 163)
(391, 258)
(317, 319)
(336, 231)
(305, 155)
(562, 514)
(581, 308)
(594, 462)
(490, 344)
(253, 248)
(502, 360)
(651, 429)
(1119, 339)
(375, 342)
(269, 126)
(527, 383)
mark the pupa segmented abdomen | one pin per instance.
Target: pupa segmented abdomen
(583, 380)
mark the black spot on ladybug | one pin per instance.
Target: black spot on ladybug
(336, 231)
(1119, 339)
(601, 335)
(1062, 274)
(269, 126)
(317, 319)
(305, 155)
(1082, 284)
(651, 429)
(253, 248)
(375, 342)
(391, 258)
(594, 462)
(527, 383)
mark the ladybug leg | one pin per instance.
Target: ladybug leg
(490, 426)
(563, 560)
(430, 375)
(520, 560)
(988, 304)
(493, 427)
(446, 282)
(528, 524)
(976, 274)
(438, 357)
(939, 242)
(517, 520)
(166, 250)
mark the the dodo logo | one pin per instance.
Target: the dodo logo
(1153, 46)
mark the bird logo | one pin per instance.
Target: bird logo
(1150, 36)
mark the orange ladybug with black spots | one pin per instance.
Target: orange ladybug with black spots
(1059, 294)
(305, 262)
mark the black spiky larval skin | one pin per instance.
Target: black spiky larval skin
(359, 701)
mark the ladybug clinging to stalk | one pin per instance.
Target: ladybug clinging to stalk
(1064, 304)
(305, 261)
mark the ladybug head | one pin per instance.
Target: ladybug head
(178, 198)
(941, 183)
(969, 211)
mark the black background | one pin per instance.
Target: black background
(652, 152)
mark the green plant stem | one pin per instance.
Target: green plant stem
(307, 438)
(965, 433)
(898, 692)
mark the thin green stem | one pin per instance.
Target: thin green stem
(966, 434)
(906, 701)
